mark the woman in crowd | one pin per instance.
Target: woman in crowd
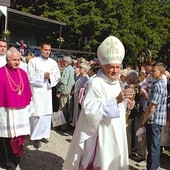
(84, 68)
(94, 68)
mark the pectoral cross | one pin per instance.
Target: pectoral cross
(19, 92)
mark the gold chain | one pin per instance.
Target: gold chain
(15, 87)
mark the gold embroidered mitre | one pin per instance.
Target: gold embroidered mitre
(111, 51)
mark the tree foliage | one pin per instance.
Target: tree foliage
(137, 23)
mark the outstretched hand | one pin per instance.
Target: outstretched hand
(126, 94)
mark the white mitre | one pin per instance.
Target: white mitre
(111, 51)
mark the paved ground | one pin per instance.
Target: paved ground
(51, 156)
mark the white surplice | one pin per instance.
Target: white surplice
(41, 88)
(3, 60)
(14, 122)
(104, 137)
(40, 127)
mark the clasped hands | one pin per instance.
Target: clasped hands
(47, 75)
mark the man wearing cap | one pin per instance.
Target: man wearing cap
(99, 140)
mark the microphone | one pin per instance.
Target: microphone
(129, 86)
(132, 98)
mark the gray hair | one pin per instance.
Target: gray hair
(12, 50)
(85, 65)
(68, 59)
(124, 72)
(133, 74)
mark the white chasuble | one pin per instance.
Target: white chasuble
(99, 140)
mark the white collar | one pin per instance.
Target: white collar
(106, 79)
(44, 59)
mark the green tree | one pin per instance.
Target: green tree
(137, 23)
(153, 24)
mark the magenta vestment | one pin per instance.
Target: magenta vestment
(10, 98)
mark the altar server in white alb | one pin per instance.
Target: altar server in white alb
(3, 50)
(43, 74)
(99, 140)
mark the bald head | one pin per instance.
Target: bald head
(12, 51)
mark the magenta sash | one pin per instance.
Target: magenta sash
(17, 145)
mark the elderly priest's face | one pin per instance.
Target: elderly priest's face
(13, 60)
(112, 71)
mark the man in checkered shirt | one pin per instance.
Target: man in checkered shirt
(155, 115)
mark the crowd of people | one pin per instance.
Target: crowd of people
(104, 104)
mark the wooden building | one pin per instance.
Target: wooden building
(34, 30)
(30, 28)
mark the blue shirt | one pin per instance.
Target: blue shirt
(158, 96)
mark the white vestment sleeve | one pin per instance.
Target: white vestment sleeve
(54, 76)
(96, 105)
(36, 78)
(111, 109)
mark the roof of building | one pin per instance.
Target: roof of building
(5, 3)
(31, 16)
